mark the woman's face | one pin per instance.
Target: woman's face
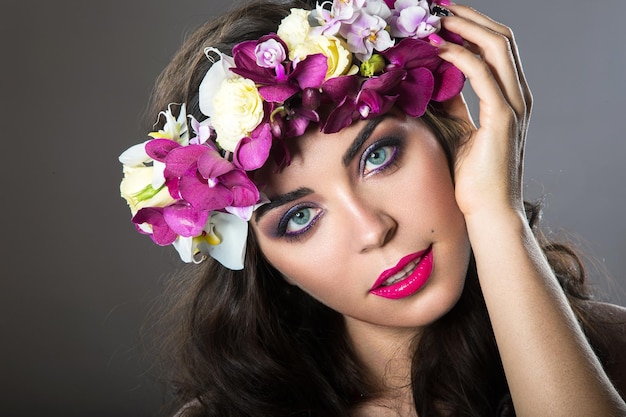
(365, 221)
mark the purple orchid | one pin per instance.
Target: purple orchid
(271, 54)
(252, 152)
(279, 83)
(372, 98)
(366, 34)
(386, 62)
(342, 12)
(428, 77)
(203, 130)
(412, 19)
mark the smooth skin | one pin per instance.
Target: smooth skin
(550, 367)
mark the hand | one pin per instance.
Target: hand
(489, 166)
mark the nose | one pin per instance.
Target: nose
(371, 225)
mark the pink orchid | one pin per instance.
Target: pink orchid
(167, 223)
(210, 188)
(199, 175)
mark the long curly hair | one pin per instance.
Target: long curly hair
(246, 343)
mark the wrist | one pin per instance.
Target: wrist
(501, 221)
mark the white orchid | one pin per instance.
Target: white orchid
(224, 239)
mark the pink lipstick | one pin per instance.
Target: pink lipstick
(407, 277)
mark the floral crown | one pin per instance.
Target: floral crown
(353, 59)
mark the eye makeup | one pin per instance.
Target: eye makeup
(381, 155)
(294, 220)
(298, 220)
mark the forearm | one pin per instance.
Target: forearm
(550, 367)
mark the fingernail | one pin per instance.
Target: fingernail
(436, 39)
(445, 3)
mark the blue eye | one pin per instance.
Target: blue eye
(298, 220)
(378, 157)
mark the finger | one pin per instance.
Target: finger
(470, 13)
(495, 50)
(495, 108)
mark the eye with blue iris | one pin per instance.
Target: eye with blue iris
(298, 220)
(379, 156)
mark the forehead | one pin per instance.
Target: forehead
(313, 151)
(317, 156)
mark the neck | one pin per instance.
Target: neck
(387, 355)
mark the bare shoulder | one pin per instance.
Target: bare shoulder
(606, 324)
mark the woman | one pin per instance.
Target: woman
(389, 267)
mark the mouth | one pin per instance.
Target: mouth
(407, 277)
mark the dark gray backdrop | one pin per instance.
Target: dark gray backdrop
(77, 279)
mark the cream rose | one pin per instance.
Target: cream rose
(294, 29)
(338, 57)
(136, 188)
(238, 111)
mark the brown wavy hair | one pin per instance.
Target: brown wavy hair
(246, 343)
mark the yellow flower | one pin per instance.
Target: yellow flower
(294, 30)
(238, 111)
(136, 188)
(338, 57)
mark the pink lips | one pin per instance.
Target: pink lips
(409, 284)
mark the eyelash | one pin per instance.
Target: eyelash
(291, 215)
(394, 145)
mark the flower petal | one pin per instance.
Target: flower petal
(448, 83)
(211, 164)
(234, 232)
(202, 196)
(417, 90)
(179, 160)
(158, 149)
(278, 93)
(212, 80)
(341, 116)
(135, 155)
(244, 192)
(311, 72)
(184, 220)
(184, 247)
(251, 153)
(161, 233)
(338, 88)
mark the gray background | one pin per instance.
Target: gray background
(77, 280)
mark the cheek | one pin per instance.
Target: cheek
(428, 190)
(303, 265)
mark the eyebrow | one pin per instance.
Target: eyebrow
(280, 201)
(360, 139)
(358, 142)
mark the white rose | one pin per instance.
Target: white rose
(136, 188)
(238, 111)
(294, 29)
